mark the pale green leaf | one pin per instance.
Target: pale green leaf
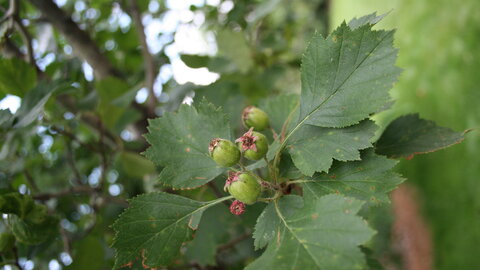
(367, 19)
(179, 142)
(279, 109)
(233, 45)
(154, 228)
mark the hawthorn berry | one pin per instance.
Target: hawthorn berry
(253, 144)
(237, 207)
(254, 117)
(224, 152)
(243, 186)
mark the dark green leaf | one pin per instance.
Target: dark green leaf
(313, 148)
(89, 254)
(347, 76)
(410, 135)
(368, 180)
(16, 77)
(34, 234)
(179, 142)
(154, 228)
(34, 101)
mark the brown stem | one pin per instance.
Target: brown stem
(31, 181)
(150, 69)
(233, 242)
(80, 41)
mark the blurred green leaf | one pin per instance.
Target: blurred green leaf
(34, 234)
(136, 165)
(232, 45)
(16, 77)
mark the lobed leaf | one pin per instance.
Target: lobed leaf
(313, 148)
(410, 135)
(369, 179)
(154, 228)
(347, 76)
(323, 234)
(179, 142)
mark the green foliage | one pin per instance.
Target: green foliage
(155, 226)
(323, 233)
(16, 77)
(409, 135)
(78, 147)
(320, 229)
(188, 164)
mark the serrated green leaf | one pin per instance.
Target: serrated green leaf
(16, 77)
(368, 180)
(179, 142)
(367, 19)
(268, 221)
(324, 234)
(313, 148)
(410, 135)
(154, 228)
(347, 76)
(279, 108)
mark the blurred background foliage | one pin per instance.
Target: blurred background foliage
(72, 137)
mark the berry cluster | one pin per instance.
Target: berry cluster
(242, 184)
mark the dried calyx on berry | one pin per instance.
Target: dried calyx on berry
(254, 117)
(243, 186)
(224, 152)
(253, 144)
(237, 207)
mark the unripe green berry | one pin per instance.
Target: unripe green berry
(254, 145)
(224, 152)
(254, 117)
(243, 187)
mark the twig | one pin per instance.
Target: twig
(71, 162)
(233, 242)
(27, 40)
(150, 69)
(80, 41)
(217, 192)
(17, 263)
(31, 181)
(73, 137)
(65, 241)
